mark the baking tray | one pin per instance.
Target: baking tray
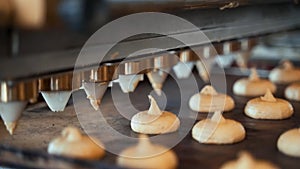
(38, 125)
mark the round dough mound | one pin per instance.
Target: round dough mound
(224, 131)
(264, 108)
(246, 161)
(289, 142)
(154, 121)
(73, 144)
(285, 74)
(210, 101)
(147, 156)
(292, 92)
(253, 85)
(246, 87)
(146, 123)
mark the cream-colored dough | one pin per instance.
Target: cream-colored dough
(253, 86)
(157, 78)
(284, 74)
(72, 143)
(128, 83)
(289, 142)
(292, 92)
(246, 161)
(146, 155)
(95, 92)
(10, 113)
(10, 127)
(183, 70)
(208, 100)
(218, 130)
(154, 121)
(268, 107)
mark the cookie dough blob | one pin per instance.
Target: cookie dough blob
(252, 86)
(146, 155)
(208, 100)
(292, 92)
(218, 130)
(289, 142)
(268, 107)
(246, 161)
(10, 113)
(154, 121)
(285, 74)
(73, 144)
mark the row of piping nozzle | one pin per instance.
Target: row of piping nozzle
(56, 89)
(203, 57)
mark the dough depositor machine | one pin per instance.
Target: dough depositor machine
(37, 58)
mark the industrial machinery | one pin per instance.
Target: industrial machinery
(39, 67)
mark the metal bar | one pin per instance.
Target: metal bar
(51, 63)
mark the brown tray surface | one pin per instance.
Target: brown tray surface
(38, 126)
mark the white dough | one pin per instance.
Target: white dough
(10, 113)
(56, 100)
(128, 83)
(94, 92)
(157, 78)
(146, 155)
(183, 69)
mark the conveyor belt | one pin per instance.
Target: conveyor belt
(27, 147)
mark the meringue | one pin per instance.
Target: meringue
(10, 113)
(208, 100)
(246, 161)
(128, 83)
(252, 86)
(289, 142)
(203, 71)
(284, 74)
(56, 100)
(146, 155)
(94, 92)
(72, 143)
(154, 121)
(183, 69)
(268, 107)
(157, 78)
(218, 130)
(292, 92)
(10, 127)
